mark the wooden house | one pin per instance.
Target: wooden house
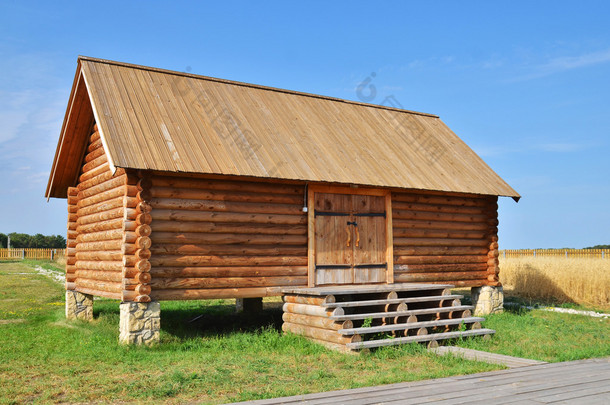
(184, 187)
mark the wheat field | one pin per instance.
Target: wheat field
(557, 279)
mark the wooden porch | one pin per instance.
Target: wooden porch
(355, 317)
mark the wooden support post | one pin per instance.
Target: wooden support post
(249, 305)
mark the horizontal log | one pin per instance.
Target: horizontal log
(142, 278)
(435, 216)
(94, 155)
(98, 285)
(143, 207)
(100, 246)
(219, 185)
(238, 250)
(439, 251)
(321, 334)
(112, 255)
(95, 172)
(72, 191)
(434, 268)
(143, 242)
(143, 219)
(113, 234)
(70, 269)
(143, 289)
(70, 285)
(452, 277)
(94, 145)
(113, 276)
(225, 206)
(438, 199)
(143, 265)
(229, 282)
(72, 217)
(72, 235)
(130, 237)
(72, 226)
(104, 216)
(94, 181)
(213, 293)
(87, 167)
(72, 200)
(440, 233)
(100, 226)
(188, 238)
(131, 202)
(107, 205)
(98, 293)
(317, 321)
(144, 183)
(72, 209)
(129, 248)
(312, 310)
(70, 277)
(142, 254)
(212, 227)
(198, 216)
(97, 265)
(254, 271)
(442, 208)
(143, 230)
(71, 243)
(71, 260)
(209, 260)
(102, 197)
(439, 259)
(309, 299)
(201, 194)
(439, 242)
(400, 224)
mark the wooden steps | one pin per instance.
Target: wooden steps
(359, 317)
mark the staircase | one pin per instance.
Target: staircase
(355, 317)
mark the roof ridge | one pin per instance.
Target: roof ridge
(244, 84)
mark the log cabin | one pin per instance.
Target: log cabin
(186, 187)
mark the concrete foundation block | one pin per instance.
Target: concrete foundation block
(487, 300)
(79, 306)
(140, 323)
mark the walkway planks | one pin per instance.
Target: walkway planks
(575, 382)
(477, 355)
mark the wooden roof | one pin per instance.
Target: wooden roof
(154, 119)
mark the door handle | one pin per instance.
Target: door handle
(357, 232)
(349, 234)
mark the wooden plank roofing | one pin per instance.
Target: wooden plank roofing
(154, 119)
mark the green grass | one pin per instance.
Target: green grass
(209, 354)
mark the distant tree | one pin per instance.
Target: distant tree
(599, 247)
(40, 241)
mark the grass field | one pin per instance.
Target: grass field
(222, 357)
(558, 280)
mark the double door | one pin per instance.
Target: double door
(350, 239)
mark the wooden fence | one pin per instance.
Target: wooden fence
(567, 253)
(20, 254)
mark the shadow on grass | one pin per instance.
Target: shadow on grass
(191, 319)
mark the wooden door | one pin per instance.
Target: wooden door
(350, 239)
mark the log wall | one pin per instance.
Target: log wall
(103, 232)
(448, 239)
(224, 239)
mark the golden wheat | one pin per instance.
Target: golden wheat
(582, 281)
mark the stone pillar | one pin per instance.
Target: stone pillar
(79, 306)
(487, 300)
(249, 305)
(140, 323)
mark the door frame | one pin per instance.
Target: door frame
(311, 227)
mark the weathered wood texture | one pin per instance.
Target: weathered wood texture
(214, 237)
(442, 238)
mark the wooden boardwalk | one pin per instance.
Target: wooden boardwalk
(575, 382)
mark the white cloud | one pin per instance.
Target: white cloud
(566, 63)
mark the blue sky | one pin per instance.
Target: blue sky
(525, 84)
